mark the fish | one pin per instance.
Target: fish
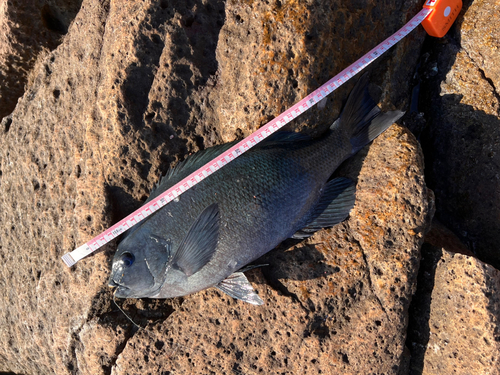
(281, 188)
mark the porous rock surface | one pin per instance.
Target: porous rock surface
(462, 145)
(455, 315)
(134, 87)
(28, 29)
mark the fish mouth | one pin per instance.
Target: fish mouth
(121, 291)
(113, 284)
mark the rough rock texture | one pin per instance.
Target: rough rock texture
(463, 140)
(455, 316)
(336, 303)
(26, 31)
(135, 86)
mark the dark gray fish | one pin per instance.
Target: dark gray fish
(276, 190)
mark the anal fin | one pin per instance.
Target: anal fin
(237, 286)
(332, 208)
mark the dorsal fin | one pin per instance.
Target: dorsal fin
(188, 166)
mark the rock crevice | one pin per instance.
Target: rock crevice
(134, 87)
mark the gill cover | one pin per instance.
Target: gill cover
(144, 260)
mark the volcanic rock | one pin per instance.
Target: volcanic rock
(462, 142)
(27, 31)
(455, 315)
(132, 89)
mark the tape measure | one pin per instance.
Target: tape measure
(437, 16)
(444, 13)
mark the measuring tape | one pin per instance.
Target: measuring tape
(437, 17)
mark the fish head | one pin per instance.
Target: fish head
(149, 264)
(140, 265)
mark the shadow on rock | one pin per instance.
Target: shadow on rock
(121, 203)
(460, 141)
(420, 309)
(27, 32)
(294, 262)
(183, 51)
(460, 144)
(463, 162)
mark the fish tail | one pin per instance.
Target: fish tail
(362, 119)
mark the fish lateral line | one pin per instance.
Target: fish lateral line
(252, 140)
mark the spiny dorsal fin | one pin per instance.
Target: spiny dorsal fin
(188, 166)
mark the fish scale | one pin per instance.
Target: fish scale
(252, 208)
(277, 190)
(437, 17)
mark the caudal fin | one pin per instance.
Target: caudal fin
(362, 119)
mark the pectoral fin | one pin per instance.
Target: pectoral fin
(237, 286)
(333, 207)
(200, 243)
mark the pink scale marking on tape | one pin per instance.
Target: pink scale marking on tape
(274, 125)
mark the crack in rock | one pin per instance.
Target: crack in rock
(370, 280)
(72, 364)
(119, 351)
(484, 76)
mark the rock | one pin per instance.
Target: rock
(26, 32)
(52, 195)
(462, 145)
(455, 312)
(133, 88)
(336, 303)
(454, 315)
(480, 37)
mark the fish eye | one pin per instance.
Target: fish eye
(127, 259)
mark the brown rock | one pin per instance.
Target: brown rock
(26, 31)
(335, 303)
(462, 145)
(52, 195)
(454, 316)
(480, 37)
(133, 88)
